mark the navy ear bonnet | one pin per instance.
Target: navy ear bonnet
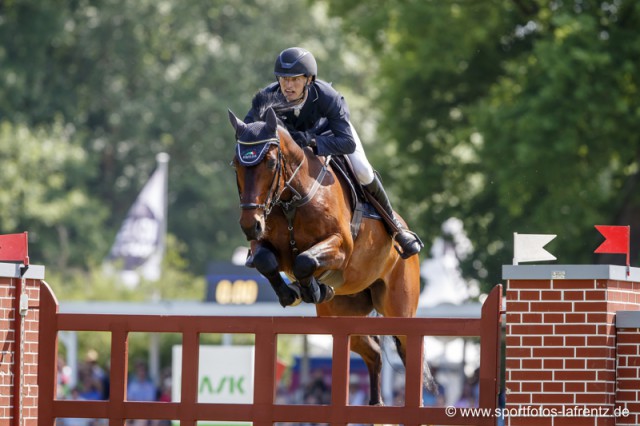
(254, 142)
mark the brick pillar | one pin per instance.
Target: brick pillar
(561, 341)
(13, 380)
(628, 366)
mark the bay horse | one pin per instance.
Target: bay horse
(296, 211)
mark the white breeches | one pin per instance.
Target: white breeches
(362, 167)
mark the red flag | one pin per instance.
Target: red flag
(280, 369)
(616, 239)
(14, 248)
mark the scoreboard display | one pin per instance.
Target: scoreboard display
(230, 284)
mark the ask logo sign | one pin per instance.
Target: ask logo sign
(225, 374)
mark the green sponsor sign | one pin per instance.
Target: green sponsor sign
(225, 376)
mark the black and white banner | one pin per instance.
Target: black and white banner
(139, 245)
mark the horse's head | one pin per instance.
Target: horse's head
(258, 162)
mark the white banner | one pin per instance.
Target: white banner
(225, 374)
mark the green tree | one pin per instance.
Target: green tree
(566, 116)
(515, 116)
(139, 77)
(42, 193)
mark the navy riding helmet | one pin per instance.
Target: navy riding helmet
(295, 61)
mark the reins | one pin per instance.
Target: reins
(290, 207)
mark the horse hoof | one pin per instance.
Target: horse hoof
(294, 298)
(326, 293)
(297, 296)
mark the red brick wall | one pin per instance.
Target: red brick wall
(10, 352)
(561, 348)
(628, 374)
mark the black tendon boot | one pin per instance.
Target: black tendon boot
(315, 292)
(408, 241)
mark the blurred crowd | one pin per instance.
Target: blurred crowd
(93, 385)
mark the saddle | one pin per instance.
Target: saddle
(360, 206)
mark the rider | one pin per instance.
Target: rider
(319, 119)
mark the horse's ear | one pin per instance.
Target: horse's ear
(237, 124)
(272, 120)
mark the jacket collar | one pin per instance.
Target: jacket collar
(313, 93)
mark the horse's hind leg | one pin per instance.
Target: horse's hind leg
(427, 378)
(266, 263)
(368, 347)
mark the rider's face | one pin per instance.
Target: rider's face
(292, 87)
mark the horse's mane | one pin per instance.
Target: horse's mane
(264, 99)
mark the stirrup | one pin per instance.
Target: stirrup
(407, 248)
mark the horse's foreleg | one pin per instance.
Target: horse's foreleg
(327, 254)
(266, 263)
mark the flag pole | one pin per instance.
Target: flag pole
(162, 158)
(515, 249)
(628, 249)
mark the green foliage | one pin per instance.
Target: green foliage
(139, 77)
(511, 115)
(176, 282)
(43, 192)
(515, 116)
(565, 114)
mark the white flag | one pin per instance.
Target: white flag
(529, 247)
(140, 242)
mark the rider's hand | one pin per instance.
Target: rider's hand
(304, 139)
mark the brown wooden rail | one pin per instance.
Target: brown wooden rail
(263, 410)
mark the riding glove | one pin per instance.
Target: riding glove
(304, 139)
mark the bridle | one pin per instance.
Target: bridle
(273, 195)
(276, 190)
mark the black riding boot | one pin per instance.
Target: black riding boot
(408, 241)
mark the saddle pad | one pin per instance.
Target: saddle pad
(369, 211)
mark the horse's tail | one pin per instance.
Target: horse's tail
(427, 377)
(428, 380)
